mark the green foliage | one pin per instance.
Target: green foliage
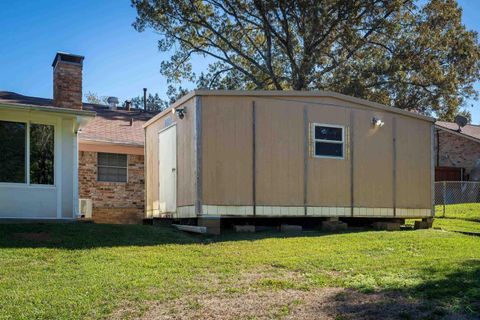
(155, 103)
(94, 98)
(419, 58)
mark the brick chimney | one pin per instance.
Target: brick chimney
(67, 81)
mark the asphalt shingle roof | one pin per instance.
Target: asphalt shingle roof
(111, 126)
(470, 130)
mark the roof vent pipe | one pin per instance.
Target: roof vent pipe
(145, 99)
(128, 105)
(112, 103)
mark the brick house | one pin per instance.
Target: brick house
(110, 149)
(457, 151)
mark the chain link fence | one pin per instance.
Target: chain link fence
(455, 192)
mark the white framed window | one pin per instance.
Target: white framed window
(27, 153)
(112, 167)
(328, 141)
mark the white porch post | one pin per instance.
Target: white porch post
(58, 165)
(76, 213)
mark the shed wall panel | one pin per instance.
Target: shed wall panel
(413, 163)
(185, 160)
(328, 179)
(373, 160)
(279, 152)
(186, 156)
(227, 151)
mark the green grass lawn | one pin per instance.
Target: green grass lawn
(465, 211)
(81, 271)
(458, 217)
(457, 225)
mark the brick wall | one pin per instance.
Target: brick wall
(67, 86)
(456, 151)
(113, 202)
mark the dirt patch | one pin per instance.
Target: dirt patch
(325, 303)
(276, 293)
(34, 236)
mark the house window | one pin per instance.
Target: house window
(13, 141)
(16, 138)
(41, 154)
(328, 141)
(112, 167)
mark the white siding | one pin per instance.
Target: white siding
(35, 201)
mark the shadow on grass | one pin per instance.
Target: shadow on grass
(85, 236)
(455, 296)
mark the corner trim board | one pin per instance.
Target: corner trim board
(352, 179)
(394, 166)
(306, 137)
(432, 168)
(254, 164)
(198, 155)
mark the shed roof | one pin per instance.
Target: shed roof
(109, 126)
(286, 94)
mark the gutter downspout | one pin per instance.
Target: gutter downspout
(438, 147)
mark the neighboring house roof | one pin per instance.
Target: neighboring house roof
(470, 131)
(109, 126)
(116, 126)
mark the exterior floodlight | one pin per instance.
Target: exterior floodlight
(377, 122)
(180, 112)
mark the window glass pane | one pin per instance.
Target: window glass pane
(328, 133)
(112, 159)
(12, 151)
(112, 167)
(122, 174)
(41, 154)
(329, 149)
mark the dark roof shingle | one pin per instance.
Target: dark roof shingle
(470, 130)
(110, 126)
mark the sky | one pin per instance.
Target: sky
(119, 61)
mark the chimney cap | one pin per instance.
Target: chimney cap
(67, 57)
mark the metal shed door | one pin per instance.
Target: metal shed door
(167, 171)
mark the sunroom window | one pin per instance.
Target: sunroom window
(328, 141)
(41, 154)
(16, 159)
(13, 139)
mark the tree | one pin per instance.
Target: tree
(154, 102)
(394, 52)
(94, 98)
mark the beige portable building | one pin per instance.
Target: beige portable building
(287, 154)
